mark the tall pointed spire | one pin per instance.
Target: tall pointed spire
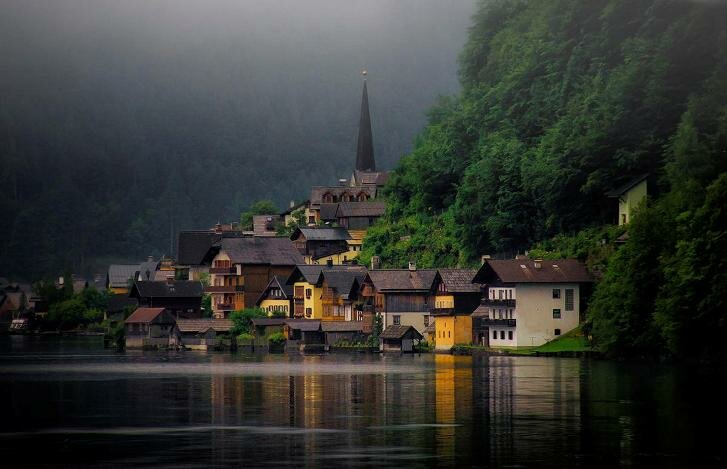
(365, 149)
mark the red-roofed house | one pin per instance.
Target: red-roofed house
(150, 327)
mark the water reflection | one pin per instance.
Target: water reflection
(432, 410)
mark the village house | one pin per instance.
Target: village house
(338, 332)
(307, 282)
(528, 302)
(303, 333)
(202, 334)
(181, 298)
(150, 327)
(323, 245)
(119, 278)
(629, 196)
(276, 298)
(339, 292)
(359, 215)
(13, 302)
(402, 297)
(241, 269)
(194, 246)
(455, 301)
(399, 338)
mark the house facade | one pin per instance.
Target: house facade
(150, 327)
(241, 269)
(528, 302)
(309, 289)
(277, 299)
(629, 196)
(455, 300)
(402, 297)
(180, 298)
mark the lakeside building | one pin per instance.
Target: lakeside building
(181, 298)
(455, 301)
(241, 269)
(202, 334)
(402, 297)
(308, 288)
(150, 327)
(528, 302)
(276, 298)
(399, 338)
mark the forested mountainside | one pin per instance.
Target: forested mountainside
(563, 100)
(124, 122)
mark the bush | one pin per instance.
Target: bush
(242, 320)
(277, 338)
(245, 338)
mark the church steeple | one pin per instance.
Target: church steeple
(365, 149)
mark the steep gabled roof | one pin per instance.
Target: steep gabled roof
(343, 281)
(361, 209)
(341, 326)
(328, 211)
(403, 280)
(261, 250)
(192, 246)
(400, 332)
(378, 178)
(144, 315)
(317, 192)
(276, 283)
(119, 274)
(525, 271)
(621, 190)
(459, 280)
(174, 289)
(321, 234)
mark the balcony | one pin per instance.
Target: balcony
(443, 311)
(498, 303)
(225, 289)
(224, 307)
(223, 270)
(498, 322)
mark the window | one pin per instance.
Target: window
(557, 332)
(556, 293)
(426, 320)
(494, 335)
(308, 293)
(502, 335)
(509, 335)
(556, 314)
(308, 312)
(311, 219)
(449, 334)
(569, 299)
(499, 294)
(397, 320)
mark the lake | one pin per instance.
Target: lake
(71, 402)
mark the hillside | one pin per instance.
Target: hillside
(563, 100)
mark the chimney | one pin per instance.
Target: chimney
(375, 262)
(329, 263)
(538, 263)
(484, 258)
(412, 266)
(343, 182)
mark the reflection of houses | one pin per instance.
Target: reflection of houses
(629, 196)
(401, 296)
(181, 298)
(277, 298)
(202, 334)
(456, 299)
(319, 245)
(399, 339)
(241, 269)
(150, 327)
(528, 302)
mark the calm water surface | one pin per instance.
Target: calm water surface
(73, 403)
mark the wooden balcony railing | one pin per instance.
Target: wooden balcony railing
(225, 289)
(223, 270)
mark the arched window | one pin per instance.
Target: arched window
(362, 197)
(329, 198)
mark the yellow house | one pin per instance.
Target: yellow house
(455, 300)
(276, 298)
(630, 195)
(308, 288)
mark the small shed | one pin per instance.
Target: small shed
(399, 339)
(150, 327)
(342, 331)
(202, 334)
(306, 331)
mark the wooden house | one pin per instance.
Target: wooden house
(335, 332)
(399, 339)
(241, 270)
(629, 196)
(455, 301)
(181, 298)
(202, 334)
(150, 327)
(323, 245)
(339, 292)
(307, 283)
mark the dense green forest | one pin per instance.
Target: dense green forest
(563, 100)
(124, 122)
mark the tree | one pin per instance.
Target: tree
(242, 320)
